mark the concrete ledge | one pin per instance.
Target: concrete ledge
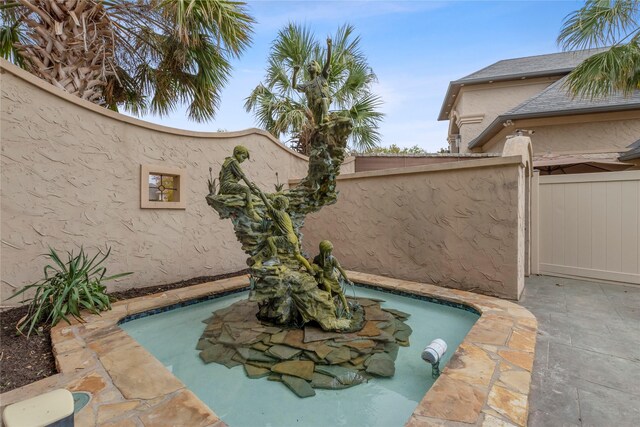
(486, 382)
(490, 162)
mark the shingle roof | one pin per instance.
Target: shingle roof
(632, 154)
(556, 101)
(553, 64)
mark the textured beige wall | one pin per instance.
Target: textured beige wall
(71, 176)
(458, 225)
(487, 101)
(611, 136)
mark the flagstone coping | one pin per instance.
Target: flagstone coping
(486, 382)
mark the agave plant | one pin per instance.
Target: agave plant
(67, 288)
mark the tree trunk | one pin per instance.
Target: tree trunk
(71, 45)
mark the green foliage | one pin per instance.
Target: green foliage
(278, 185)
(166, 52)
(604, 23)
(67, 288)
(395, 150)
(283, 111)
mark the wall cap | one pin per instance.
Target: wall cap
(6, 66)
(432, 168)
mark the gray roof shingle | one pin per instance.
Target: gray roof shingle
(632, 154)
(553, 63)
(556, 99)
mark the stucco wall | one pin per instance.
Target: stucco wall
(609, 136)
(455, 224)
(478, 105)
(71, 177)
(371, 163)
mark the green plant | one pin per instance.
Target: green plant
(144, 56)
(278, 185)
(284, 112)
(67, 288)
(613, 25)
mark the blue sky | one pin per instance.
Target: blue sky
(415, 47)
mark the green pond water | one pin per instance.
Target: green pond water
(172, 336)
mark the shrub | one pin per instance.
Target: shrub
(67, 288)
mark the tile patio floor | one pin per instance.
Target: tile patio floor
(587, 365)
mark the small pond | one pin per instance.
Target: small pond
(171, 336)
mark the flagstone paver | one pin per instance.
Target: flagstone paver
(131, 388)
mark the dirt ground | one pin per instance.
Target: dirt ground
(25, 360)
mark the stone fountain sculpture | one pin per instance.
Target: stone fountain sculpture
(289, 290)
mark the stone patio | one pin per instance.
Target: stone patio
(486, 382)
(587, 366)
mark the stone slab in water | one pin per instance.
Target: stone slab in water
(361, 345)
(256, 372)
(344, 375)
(310, 356)
(366, 302)
(370, 330)
(326, 382)
(253, 354)
(339, 355)
(376, 313)
(381, 365)
(216, 353)
(323, 350)
(283, 352)
(312, 333)
(299, 386)
(397, 313)
(278, 338)
(391, 348)
(297, 368)
(260, 346)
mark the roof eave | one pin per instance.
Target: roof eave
(629, 156)
(455, 85)
(494, 127)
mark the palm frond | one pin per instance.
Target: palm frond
(605, 73)
(366, 116)
(599, 23)
(284, 112)
(160, 53)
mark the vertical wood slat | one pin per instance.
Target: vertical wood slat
(590, 225)
(584, 225)
(613, 226)
(545, 224)
(598, 225)
(630, 219)
(570, 228)
(558, 221)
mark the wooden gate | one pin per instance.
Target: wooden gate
(588, 226)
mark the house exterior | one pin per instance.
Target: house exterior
(569, 135)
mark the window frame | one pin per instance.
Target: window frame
(179, 175)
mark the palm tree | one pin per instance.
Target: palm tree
(147, 56)
(604, 23)
(281, 110)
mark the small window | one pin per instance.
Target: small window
(162, 187)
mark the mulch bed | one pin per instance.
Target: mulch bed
(25, 360)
